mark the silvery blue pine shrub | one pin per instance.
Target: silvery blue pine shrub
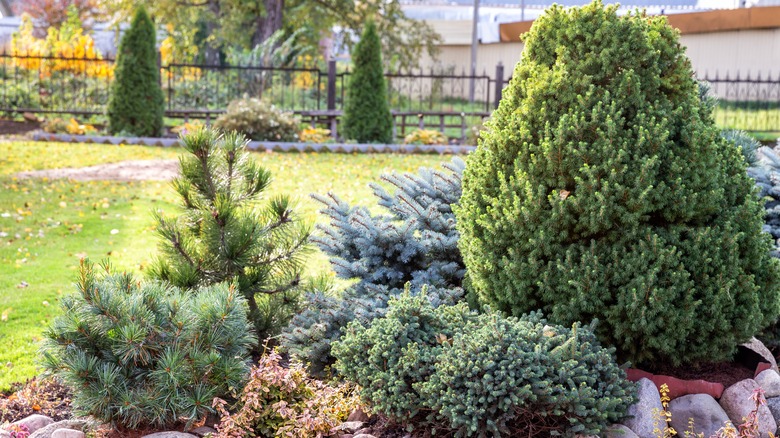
(414, 241)
(603, 190)
(145, 353)
(451, 371)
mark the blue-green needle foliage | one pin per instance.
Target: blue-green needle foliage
(146, 354)
(603, 189)
(136, 104)
(451, 371)
(415, 242)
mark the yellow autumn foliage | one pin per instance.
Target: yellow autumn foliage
(65, 49)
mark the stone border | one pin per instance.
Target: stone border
(274, 146)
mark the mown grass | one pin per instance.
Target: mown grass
(46, 226)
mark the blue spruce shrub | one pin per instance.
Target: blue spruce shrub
(415, 243)
(450, 370)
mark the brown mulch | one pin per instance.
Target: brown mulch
(727, 373)
(38, 396)
(10, 127)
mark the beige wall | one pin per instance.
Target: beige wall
(740, 52)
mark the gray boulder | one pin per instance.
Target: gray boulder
(619, 431)
(708, 416)
(737, 404)
(34, 422)
(773, 403)
(68, 433)
(170, 434)
(769, 381)
(760, 349)
(48, 431)
(644, 414)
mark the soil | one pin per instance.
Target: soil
(10, 127)
(138, 170)
(38, 396)
(727, 373)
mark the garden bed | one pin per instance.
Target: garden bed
(347, 148)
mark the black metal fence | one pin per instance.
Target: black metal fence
(438, 100)
(750, 103)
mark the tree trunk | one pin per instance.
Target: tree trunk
(211, 53)
(270, 22)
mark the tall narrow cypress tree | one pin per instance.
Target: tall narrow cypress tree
(603, 189)
(367, 116)
(136, 104)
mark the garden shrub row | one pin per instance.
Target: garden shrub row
(600, 191)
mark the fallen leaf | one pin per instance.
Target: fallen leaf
(564, 194)
(4, 315)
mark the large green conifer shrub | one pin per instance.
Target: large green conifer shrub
(602, 189)
(367, 116)
(136, 104)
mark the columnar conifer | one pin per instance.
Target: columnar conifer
(367, 116)
(136, 104)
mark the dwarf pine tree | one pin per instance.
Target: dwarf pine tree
(224, 235)
(602, 189)
(367, 116)
(136, 104)
(415, 243)
(140, 354)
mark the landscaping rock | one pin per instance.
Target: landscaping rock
(619, 431)
(170, 434)
(769, 381)
(757, 347)
(34, 422)
(349, 426)
(773, 404)
(737, 404)
(644, 413)
(203, 431)
(358, 415)
(708, 416)
(68, 433)
(48, 431)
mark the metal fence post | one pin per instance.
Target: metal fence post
(499, 83)
(332, 96)
(159, 67)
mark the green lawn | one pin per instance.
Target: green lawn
(47, 225)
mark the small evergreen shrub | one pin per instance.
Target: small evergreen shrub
(140, 354)
(283, 402)
(603, 190)
(258, 120)
(223, 234)
(414, 242)
(450, 370)
(136, 103)
(367, 117)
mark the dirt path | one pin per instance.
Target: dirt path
(138, 170)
